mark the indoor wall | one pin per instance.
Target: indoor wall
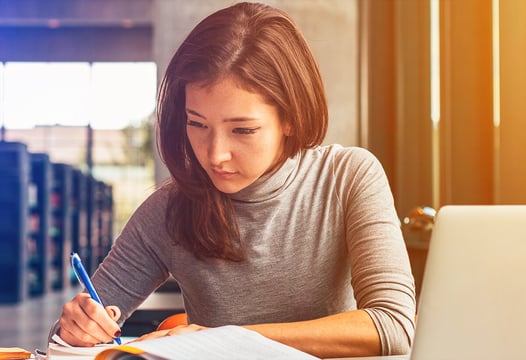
(445, 103)
(433, 88)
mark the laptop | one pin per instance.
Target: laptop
(473, 299)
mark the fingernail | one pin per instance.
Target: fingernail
(117, 334)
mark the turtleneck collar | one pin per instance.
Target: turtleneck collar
(268, 185)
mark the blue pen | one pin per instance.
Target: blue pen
(84, 279)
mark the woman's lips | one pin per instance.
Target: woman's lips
(223, 174)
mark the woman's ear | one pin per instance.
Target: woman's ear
(287, 129)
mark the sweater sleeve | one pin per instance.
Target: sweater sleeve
(381, 274)
(138, 261)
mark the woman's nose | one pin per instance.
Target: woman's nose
(219, 149)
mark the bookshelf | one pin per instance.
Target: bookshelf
(14, 211)
(39, 238)
(61, 243)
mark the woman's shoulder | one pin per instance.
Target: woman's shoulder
(350, 164)
(340, 155)
(158, 193)
(154, 204)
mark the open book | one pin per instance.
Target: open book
(225, 342)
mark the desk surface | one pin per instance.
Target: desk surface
(398, 357)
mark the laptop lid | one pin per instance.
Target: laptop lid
(473, 299)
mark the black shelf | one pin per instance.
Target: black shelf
(100, 221)
(61, 242)
(39, 224)
(14, 211)
(79, 217)
(48, 210)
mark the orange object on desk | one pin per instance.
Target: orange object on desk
(14, 353)
(172, 321)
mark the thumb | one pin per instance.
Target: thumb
(114, 312)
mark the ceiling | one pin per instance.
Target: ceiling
(76, 30)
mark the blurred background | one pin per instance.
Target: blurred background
(434, 88)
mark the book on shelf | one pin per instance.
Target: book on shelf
(224, 342)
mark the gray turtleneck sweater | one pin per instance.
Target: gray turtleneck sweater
(322, 236)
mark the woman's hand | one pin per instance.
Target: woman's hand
(181, 329)
(84, 322)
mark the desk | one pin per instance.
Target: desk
(393, 357)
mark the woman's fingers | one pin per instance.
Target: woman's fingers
(102, 326)
(75, 336)
(84, 322)
(114, 312)
(181, 329)
(152, 335)
(74, 324)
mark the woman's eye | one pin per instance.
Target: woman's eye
(196, 124)
(245, 131)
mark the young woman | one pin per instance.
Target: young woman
(260, 225)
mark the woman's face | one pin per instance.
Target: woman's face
(234, 133)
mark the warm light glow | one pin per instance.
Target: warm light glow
(496, 63)
(435, 60)
(434, 24)
(105, 95)
(496, 98)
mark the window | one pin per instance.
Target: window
(48, 106)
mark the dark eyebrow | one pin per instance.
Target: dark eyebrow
(234, 119)
(193, 112)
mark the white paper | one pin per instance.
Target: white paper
(61, 352)
(226, 342)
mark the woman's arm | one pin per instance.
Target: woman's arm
(351, 333)
(135, 267)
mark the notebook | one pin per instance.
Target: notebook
(224, 342)
(473, 299)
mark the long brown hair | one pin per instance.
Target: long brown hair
(264, 51)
